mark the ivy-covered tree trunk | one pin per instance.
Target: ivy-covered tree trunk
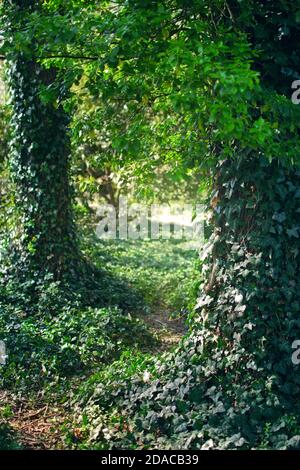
(248, 312)
(40, 153)
(251, 294)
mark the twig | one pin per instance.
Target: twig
(76, 57)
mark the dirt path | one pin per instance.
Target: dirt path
(168, 330)
(35, 426)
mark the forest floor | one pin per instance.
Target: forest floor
(32, 425)
(161, 273)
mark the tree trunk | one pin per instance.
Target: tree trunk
(40, 153)
(250, 300)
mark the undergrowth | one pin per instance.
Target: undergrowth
(57, 344)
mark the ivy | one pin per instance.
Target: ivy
(231, 384)
(39, 162)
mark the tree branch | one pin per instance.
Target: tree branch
(2, 57)
(69, 57)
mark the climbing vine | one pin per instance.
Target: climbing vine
(44, 242)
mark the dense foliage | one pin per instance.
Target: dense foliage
(141, 91)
